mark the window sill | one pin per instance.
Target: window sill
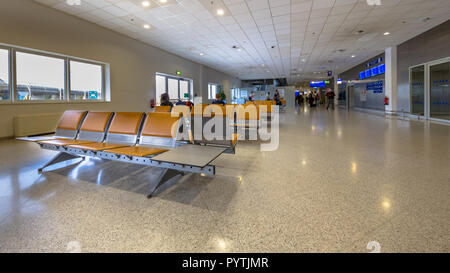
(51, 102)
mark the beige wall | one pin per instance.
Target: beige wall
(133, 64)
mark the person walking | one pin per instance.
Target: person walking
(330, 96)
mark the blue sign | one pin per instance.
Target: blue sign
(317, 84)
(376, 87)
(374, 62)
(381, 69)
(362, 75)
(368, 73)
(374, 71)
(93, 95)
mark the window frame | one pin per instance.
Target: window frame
(103, 80)
(210, 84)
(16, 94)
(10, 76)
(13, 98)
(179, 79)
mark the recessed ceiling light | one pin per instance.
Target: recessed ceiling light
(146, 26)
(73, 2)
(220, 12)
(163, 1)
(386, 33)
(145, 3)
(303, 60)
(201, 53)
(353, 56)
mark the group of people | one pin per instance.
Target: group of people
(314, 98)
(165, 101)
(276, 97)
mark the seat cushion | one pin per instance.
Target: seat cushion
(137, 151)
(96, 146)
(63, 142)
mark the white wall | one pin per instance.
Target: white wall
(133, 64)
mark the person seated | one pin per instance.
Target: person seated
(252, 96)
(165, 101)
(180, 102)
(218, 100)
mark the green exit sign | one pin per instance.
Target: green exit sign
(178, 72)
(327, 82)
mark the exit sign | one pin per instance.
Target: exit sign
(178, 72)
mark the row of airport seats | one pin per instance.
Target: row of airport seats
(143, 138)
(240, 115)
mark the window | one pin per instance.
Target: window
(39, 77)
(184, 89)
(417, 88)
(44, 76)
(172, 87)
(440, 91)
(212, 90)
(160, 87)
(177, 88)
(235, 95)
(86, 81)
(4, 74)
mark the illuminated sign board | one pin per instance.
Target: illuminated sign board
(374, 71)
(362, 75)
(381, 69)
(317, 84)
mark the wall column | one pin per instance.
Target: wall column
(336, 90)
(391, 79)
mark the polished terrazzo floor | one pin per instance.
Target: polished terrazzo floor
(338, 181)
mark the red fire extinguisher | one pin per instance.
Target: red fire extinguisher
(386, 100)
(152, 103)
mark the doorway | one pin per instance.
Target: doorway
(430, 91)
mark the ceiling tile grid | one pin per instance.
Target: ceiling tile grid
(255, 39)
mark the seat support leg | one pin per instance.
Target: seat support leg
(165, 176)
(60, 157)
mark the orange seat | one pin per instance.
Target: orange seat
(137, 151)
(249, 112)
(159, 125)
(96, 146)
(125, 123)
(164, 109)
(234, 139)
(70, 120)
(94, 122)
(62, 142)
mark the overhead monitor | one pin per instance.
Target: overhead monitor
(374, 71)
(362, 75)
(381, 69)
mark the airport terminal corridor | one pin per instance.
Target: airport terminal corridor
(337, 181)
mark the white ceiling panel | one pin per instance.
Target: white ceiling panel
(272, 37)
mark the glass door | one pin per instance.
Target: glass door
(417, 87)
(439, 90)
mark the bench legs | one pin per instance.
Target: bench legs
(165, 176)
(60, 157)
